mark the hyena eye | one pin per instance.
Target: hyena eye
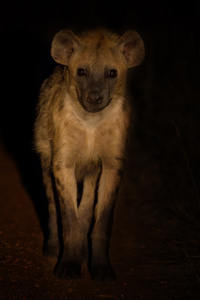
(81, 72)
(112, 73)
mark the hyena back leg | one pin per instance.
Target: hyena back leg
(69, 264)
(52, 246)
(85, 209)
(101, 268)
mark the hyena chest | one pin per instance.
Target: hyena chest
(91, 144)
(90, 147)
(88, 153)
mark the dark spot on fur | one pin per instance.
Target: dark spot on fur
(69, 165)
(120, 173)
(62, 199)
(45, 166)
(62, 187)
(49, 199)
(58, 182)
(60, 107)
(115, 193)
(58, 167)
(45, 169)
(119, 158)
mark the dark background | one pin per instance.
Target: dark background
(165, 89)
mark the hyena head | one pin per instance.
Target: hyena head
(97, 63)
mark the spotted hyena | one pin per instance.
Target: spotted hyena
(80, 135)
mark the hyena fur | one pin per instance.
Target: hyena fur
(80, 135)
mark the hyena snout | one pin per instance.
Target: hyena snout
(94, 100)
(94, 97)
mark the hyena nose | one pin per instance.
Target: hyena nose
(94, 98)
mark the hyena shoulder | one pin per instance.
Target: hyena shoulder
(49, 92)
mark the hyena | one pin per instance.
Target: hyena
(80, 135)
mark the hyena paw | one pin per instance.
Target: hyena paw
(103, 273)
(68, 270)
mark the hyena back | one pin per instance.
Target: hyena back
(80, 135)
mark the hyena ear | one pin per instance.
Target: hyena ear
(64, 43)
(132, 46)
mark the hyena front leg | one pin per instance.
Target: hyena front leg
(85, 210)
(52, 246)
(69, 264)
(101, 268)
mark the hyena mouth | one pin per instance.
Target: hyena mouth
(93, 109)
